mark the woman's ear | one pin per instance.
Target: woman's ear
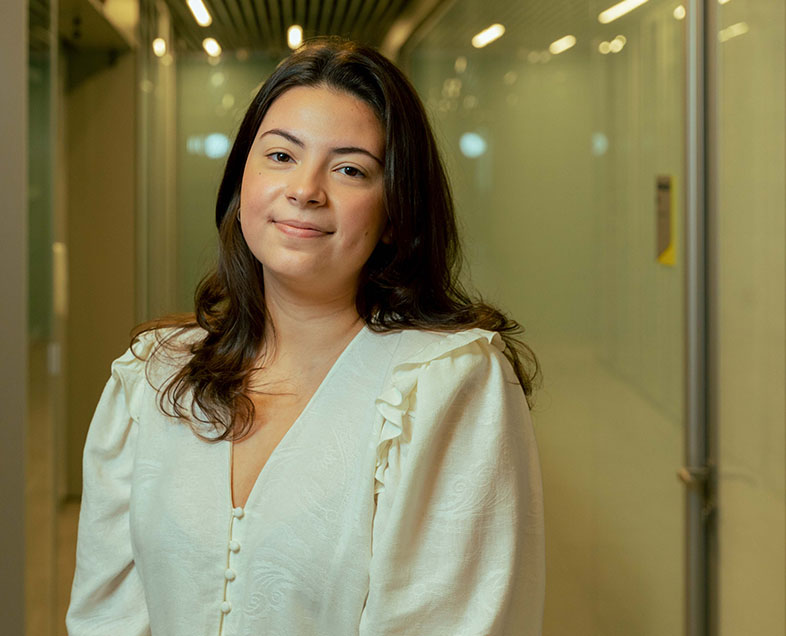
(387, 235)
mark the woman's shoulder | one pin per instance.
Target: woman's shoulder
(448, 360)
(152, 358)
(156, 353)
(438, 378)
(419, 347)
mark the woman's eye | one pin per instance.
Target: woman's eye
(280, 157)
(351, 171)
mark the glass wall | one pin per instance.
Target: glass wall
(44, 264)
(564, 140)
(191, 106)
(223, 90)
(751, 257)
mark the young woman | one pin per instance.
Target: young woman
(338, 441)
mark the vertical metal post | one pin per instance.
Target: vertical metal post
(142, 212)
(711, 275)
(700, 205)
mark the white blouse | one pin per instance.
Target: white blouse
(406, 499)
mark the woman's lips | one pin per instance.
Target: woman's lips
(300, 230)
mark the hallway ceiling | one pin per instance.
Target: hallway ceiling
(531, 24)
(261, 25)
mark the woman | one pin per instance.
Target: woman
(336, 443)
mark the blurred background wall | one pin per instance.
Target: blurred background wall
(99, 142)
(13, 313)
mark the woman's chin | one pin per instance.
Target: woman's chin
(313, 281)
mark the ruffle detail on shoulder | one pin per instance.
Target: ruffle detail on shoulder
(130, 370)
(397, 402)
(134, 371)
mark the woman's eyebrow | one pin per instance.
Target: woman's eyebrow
(344, 150)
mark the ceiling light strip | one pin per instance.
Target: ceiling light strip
(562, 45)
(200, 12)
(618, 10)
(212, 47)
(488, 35)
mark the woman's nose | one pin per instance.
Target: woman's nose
(305, 188)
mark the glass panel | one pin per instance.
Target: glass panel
(567, 168)
(43, 350)
(93, 238)
(224, 89)
(752, 333)
(156, 214)
(191, 104)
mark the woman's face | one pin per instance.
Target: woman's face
(311, 206)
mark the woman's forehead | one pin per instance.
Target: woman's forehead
(325, 111)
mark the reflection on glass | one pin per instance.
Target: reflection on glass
(619, 10)
(561, 45)
(159, 47)
(212, 47)
(488, 35)
(200, 12)
(472, 145)
(733, 31)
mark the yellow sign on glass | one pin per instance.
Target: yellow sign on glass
(665, 219)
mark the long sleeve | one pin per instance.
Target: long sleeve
(458, 546)
(107, 596)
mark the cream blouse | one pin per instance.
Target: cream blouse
(405, 500)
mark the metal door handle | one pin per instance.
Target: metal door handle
(693, 476)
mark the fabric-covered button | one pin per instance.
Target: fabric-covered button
(238, 513)
(234, 546)
(229, 574)
(226, 607)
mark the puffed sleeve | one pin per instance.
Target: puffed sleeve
(107, 595)
(457, 544)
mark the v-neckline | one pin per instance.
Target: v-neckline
(288, 435)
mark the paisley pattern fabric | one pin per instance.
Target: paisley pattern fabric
(405, 500)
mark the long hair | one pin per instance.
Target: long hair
(409, 282)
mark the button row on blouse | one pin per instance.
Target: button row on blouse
(229, 573)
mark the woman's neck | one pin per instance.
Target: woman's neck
(303, 329)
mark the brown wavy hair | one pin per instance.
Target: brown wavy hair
(412, 282)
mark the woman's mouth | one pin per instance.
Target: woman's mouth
(300, 229)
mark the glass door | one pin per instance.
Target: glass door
(751, 351)
(564, 138)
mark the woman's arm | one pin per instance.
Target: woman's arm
(458, 545)
(107, 596)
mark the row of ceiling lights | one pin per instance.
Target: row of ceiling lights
(479, 40)
(495, 31)
(211, 45)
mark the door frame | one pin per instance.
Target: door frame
(701, 377)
